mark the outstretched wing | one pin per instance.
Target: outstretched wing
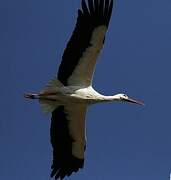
(68, 139)
(79, 58)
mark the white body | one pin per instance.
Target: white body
(55, 94)
(76, 94)
(75, 99)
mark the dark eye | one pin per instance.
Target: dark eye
(124, 95)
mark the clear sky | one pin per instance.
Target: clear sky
(125, 141)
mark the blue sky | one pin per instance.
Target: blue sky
(125, 141)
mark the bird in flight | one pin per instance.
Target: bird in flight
(68, 95)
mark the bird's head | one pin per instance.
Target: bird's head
(125, 98)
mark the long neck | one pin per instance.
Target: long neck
(110, 98)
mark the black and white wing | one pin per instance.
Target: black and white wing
(79, 58)
(77, 67)
(68, 139)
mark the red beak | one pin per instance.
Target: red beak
(134, 101)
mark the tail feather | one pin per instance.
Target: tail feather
(52, 86)
(47, 106)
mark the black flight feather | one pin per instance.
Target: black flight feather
(96, 13)
(64, 163)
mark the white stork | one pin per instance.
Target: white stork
(68, 95)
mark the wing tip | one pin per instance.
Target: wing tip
(72, 165)
(99, 10)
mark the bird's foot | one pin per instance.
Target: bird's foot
(31, 96)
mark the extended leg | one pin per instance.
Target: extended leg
(31, 96)
(43, 96)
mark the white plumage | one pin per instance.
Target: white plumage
(68, 96)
